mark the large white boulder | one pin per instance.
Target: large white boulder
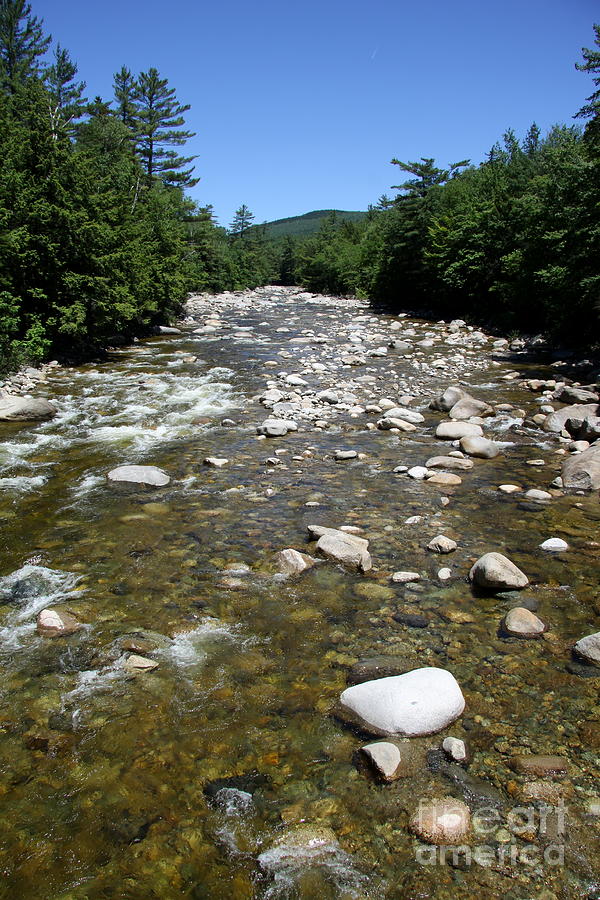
(419, 702)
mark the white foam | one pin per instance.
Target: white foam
(23, 484)
(190, 648)
(48, 586)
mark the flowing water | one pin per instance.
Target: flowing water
(197, 779)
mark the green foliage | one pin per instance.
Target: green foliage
(157, 122)
(96, 236)
(591, 109)
(22, 44)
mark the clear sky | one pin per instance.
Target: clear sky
(301, 105)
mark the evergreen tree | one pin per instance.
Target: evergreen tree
(591, 109)
(67, 103)
(22, 44)
(124, 87)
(158, 119)
(242, 221)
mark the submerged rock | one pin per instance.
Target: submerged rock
(495, 572)
(419, 702)
(135, 663)
(442, 820)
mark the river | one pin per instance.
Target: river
(204, 777)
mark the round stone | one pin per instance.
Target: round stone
(419, 702)
(521, 622)
(554, 545)
(443, 820)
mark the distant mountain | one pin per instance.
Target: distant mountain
(309, 223)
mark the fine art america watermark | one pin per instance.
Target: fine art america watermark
(534, 836)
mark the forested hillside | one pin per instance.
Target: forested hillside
(309, 223)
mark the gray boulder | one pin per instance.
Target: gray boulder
(581, 471)
(468, 407)
(146, 476)
(347, 549)
(495, 572)
(291, 562)
(479, 447)
(589, 648)
(449, 462)
(273, 428)
(454, 431)
(556, 421)
(408, 415)
(25, 409)
(569, 394)
(448, 398)
(420, 702)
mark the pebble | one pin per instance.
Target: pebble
(216, 461)
(444, 574)
(455, 749)
(419, 473)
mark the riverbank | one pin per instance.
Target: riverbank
(225, 760)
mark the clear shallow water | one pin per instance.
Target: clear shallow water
(104, 774)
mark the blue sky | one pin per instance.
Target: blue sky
(301, 105)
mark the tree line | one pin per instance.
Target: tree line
(98, 240)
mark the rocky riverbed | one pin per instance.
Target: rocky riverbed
(301, 601)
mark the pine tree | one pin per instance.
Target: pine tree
(22, 43)
(67, 103)
(242, 221)
(591, 109)
(158, 121)
(124, 88)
